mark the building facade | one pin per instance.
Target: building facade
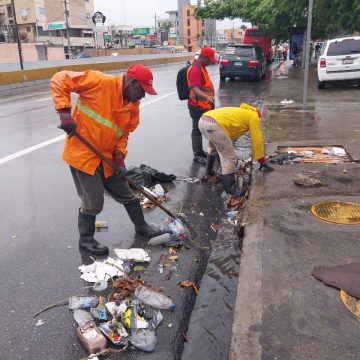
(44, 22)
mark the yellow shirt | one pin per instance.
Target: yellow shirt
(237, 121)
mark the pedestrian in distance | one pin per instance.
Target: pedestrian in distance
(221, 127)
(317, 50)
(106, 112)
(201, 98)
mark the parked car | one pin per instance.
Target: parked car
(83, 54)
(340, 61)
(242, 60)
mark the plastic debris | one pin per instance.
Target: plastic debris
(138, 268)
(39, 322)
(124, 287)
(156, 319)
(286, 102)
(116, 310)
(337, 151)
(177, 228)
(307, 153)
(232, 214)
(101, 226)
(160, 239)
(344, 171)
(102, 270)
(83, 302)
(115, 332)
(144, 339)
(326, 151)
(135, 254)
(132, 319)
(159, 190)
(153, 298)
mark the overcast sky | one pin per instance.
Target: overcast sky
(142, 12)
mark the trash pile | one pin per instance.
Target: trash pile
(156, 191)
(330, 155)
(129, 315)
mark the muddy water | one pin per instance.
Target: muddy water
(210, 326)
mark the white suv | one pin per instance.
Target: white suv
(340, 60)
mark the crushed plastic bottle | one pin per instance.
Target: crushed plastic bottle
(83, 302)
(153, 298)
(177, 228)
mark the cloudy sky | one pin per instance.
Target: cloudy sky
(142, 12)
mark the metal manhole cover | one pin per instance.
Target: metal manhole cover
(337, 212)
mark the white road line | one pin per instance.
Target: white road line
(31, 149)
(61, 137)
(46, 99)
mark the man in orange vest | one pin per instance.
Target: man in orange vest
(106, 111)
(201, 98)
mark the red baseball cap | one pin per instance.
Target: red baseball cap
(144, 76)
(209, 53)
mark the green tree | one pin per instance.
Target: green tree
(279, 16)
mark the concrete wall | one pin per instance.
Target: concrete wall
(55, 53)
(9, 53)
(25, 76)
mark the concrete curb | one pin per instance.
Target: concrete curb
(246, 328)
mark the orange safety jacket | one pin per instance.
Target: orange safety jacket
(207, 88)
(101, 114)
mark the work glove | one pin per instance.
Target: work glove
(264, 166)
(67, 123)
(119, 163)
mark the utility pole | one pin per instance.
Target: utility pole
(17, 36)
(307, 47)
(67, 27)
(156, 34)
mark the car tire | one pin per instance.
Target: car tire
(222, 78)
(321, 85)
(232, 78)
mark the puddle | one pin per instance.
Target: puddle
(210, 325)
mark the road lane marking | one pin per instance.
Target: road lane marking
(48, 98)
(61, 137)
(31, 149)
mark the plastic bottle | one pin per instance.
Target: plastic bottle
(153, 298)
(160, 239)
(83, 302)
(102, 309)
(88, 333)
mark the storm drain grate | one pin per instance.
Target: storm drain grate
(337, 212)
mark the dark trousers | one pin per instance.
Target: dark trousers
(91, 189)
(195, 114)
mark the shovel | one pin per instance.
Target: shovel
(137, 187)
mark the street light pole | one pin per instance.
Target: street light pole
(307, 51)
(17, 36)
(67, 27)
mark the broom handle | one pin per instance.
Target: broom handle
(133, 184)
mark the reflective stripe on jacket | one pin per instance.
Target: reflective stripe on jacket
(207, 88)
(237, 121)
(101, 116)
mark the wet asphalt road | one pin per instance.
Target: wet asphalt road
(39, 258)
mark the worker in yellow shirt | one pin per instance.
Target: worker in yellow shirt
(221, 127)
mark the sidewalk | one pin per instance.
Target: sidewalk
(282, 311)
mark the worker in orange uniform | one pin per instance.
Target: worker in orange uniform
(201, 98)
(221, 127)
(106, 111)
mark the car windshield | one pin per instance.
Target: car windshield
(240, 51)
(344, 47)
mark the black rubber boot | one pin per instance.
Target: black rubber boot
(137, 217)
(199, 153)
(209, 165)
(228, 184)
(87, 230)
